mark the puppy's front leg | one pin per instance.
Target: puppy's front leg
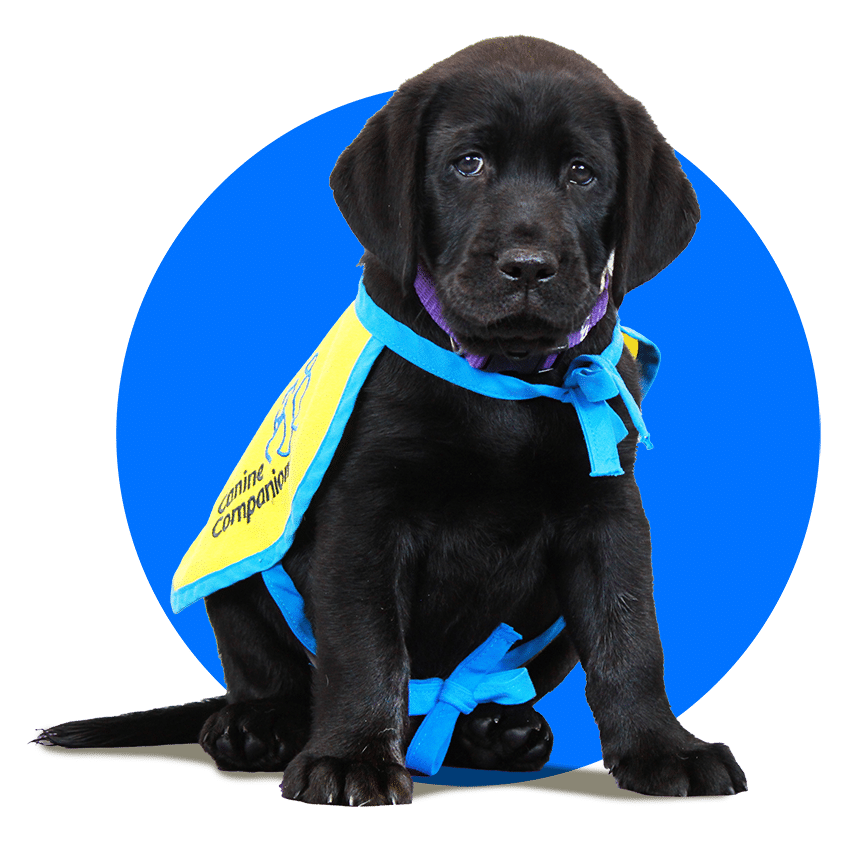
(356, 752)
(606, 588)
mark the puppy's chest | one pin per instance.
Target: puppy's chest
(488, 455)
(483, 498)
(471, 574)
(436, 456)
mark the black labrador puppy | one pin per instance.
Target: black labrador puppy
(524, 184)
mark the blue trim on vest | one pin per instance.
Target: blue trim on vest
(591, 380)
(493, 672)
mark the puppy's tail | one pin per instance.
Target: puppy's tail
(177, 724)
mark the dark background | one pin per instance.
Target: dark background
(118, 123)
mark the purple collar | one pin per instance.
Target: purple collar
(426, 292)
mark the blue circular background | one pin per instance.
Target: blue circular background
(266, 265)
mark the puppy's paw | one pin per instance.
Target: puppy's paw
(697, 769)
(253, 736)
(501, 738)
(328, 780)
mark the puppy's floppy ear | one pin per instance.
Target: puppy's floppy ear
(657, 210)
(377, 181)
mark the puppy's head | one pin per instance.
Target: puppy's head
(513, 170)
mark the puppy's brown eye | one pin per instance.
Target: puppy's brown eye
(580, 173)
(470, 165)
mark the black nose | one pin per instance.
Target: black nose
(528, 265)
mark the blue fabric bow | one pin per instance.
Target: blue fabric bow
(590, 381)
(491, 673)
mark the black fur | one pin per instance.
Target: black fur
(445, 513)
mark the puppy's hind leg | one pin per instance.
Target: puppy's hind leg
(513, 737)
(266, 721)
(501, 738)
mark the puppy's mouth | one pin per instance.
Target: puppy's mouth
(516, 337)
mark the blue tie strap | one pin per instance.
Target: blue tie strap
(491, 673)
(591, 380)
